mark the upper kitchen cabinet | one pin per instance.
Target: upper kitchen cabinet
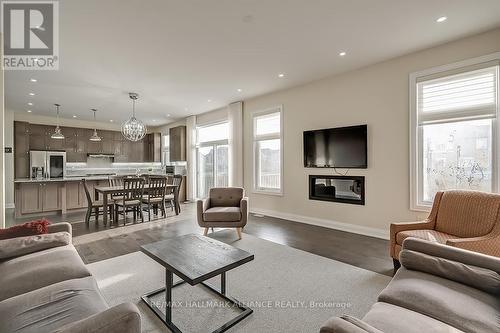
(37, 137)
(177, 143)
(21, 149)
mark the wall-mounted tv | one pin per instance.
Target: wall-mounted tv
(341, 147)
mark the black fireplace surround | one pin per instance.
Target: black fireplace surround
(345, 189)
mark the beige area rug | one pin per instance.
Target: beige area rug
(289, 290)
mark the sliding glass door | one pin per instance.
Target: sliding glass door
(212, 158)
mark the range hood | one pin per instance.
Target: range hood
(100, 155)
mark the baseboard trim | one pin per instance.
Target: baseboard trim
(356, 229)
(9, 205)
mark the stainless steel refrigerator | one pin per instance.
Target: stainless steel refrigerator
(47, 164)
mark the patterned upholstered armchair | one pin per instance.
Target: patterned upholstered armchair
(225, 207)
(466, 219)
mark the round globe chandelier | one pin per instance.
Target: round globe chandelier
(134, 129)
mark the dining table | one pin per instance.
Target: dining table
(108, 191)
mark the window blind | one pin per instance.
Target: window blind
(468, 95)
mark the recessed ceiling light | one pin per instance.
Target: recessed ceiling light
(343, 53)
(74, 116)
(281, 75)
(239, 90)
(168, 115)
(32, 94)
(30, 103)
(441, 19)
(29, 111)
(154, 120)
(33, 80)
(111, 120)
(186, 108)
(209, 101)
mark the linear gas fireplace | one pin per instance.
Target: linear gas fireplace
(345, 189)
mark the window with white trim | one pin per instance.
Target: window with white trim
(268, 152)
(453, 131)
(212, 152)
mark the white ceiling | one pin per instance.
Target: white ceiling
(179, 54)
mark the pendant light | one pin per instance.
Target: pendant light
(133, 129)
(57, 133)
(94, 136)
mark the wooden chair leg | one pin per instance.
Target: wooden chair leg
(149, 212)
(205, 232)
(96, 212)
(87, 216)
(238, 230)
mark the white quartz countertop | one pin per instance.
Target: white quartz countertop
(65, 179)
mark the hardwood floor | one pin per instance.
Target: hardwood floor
(95, 242)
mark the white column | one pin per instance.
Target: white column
(235, 118)
(191, 157)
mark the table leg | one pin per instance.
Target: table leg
(105, 209)
(96, 195)
(223, 283)
(168, 295)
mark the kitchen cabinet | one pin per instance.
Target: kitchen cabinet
(39, 197)
(30, 199)
(51, 196)
(21, 150)
(177, 142)
(37, 137)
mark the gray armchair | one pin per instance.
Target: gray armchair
(225, 207)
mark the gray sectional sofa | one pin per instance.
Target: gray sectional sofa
(438, 288)
(45, 287)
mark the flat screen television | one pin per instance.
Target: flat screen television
(341, 147)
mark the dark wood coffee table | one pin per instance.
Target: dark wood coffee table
(195, 258)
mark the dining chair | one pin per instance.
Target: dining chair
(170, 195)
(93, 206)
(133, 190)
(155, 196)
(116, 181)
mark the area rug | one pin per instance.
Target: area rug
(289, 290)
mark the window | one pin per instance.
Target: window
(212, 157)
(268, 153)
(453, 122)
(165, 149)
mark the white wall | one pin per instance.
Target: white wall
(376, 95)
(2, 126)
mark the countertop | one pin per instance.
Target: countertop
(65, 179)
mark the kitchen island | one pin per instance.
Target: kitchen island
(35, 196)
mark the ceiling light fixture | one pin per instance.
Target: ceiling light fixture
(134, 129)
(111, 120)
(32, 94)
(30, 104)
(168, 115)
(209, 101)
(441, 19)
(343, 53)
(57, 133)
(33, 80)
(94, 136)
(74, 116)
(29, 111)
(239, 90)
(281, 75)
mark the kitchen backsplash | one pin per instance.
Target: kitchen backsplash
(92, 169)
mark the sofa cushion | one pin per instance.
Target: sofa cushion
(14, 247)
(390, 318)
(225, 196)
(467, 213)
(430, 235)
(477, 277)
(48, 308)
(40, 269)
(445, 300)
(222, 214)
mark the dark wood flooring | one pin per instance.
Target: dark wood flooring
(358, 250)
